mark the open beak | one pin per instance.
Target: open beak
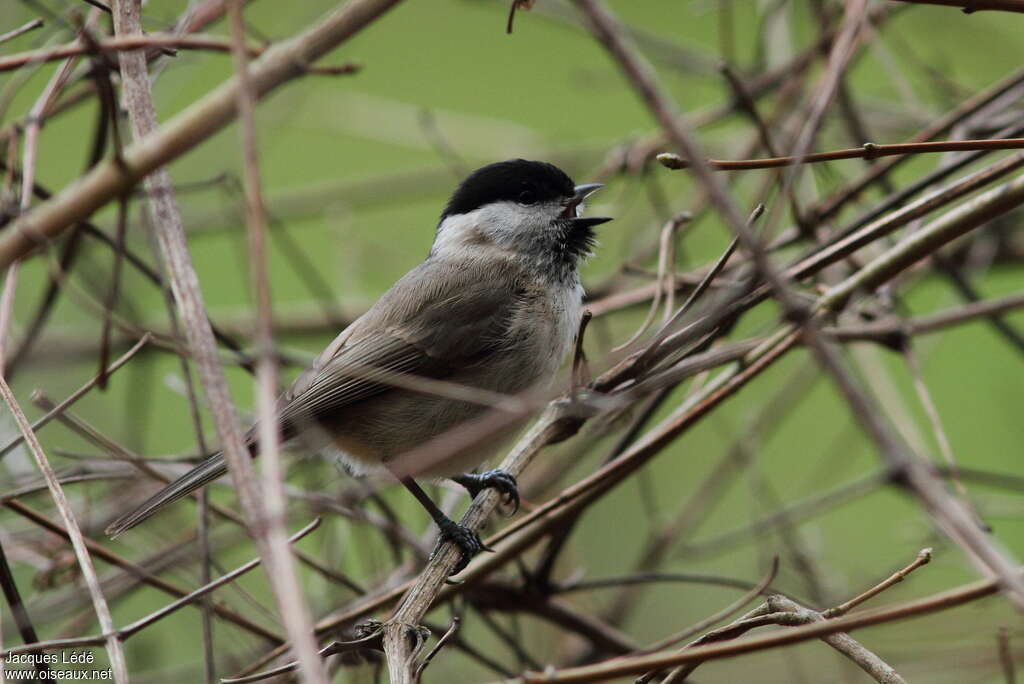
(580, 193)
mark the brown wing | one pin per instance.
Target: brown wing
(439, 318)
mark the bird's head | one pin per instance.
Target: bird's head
(530, 209)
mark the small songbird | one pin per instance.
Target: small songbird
(495, 306)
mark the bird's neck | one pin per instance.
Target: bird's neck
(552, 253)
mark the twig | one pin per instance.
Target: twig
(279, 564)
(867, 151)
(146, 577)
(202, 591)
(971, 6)
(666, 277)
(121, 43)
(718, 616)
(1006, 655)
(890, 329)
(399, 646)
(170, 237)
(924, 556)
(953, 224)
(67, 515)
(77, 394)
(650, 352)
(660, 661)
(24, 28)
(17, 606)
(830, 207)
(445, 638)
(133, 628)
(183, 132)
(938, 431)
(370, 641)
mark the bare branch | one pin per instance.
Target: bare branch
(186, 130)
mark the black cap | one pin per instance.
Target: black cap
(515, 180)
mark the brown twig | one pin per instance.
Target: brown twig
(279, 564)
(971, 6)
(660, 661)
(19, 613)
(867, 151)
(24, 28)
(183, 132)
(122, 43)
(1006, 658)
(77, 394)
(67, 515)
(137, 626)
(924, 556)
(136, 570)
(447, 636)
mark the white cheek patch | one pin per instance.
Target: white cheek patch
(508, 224)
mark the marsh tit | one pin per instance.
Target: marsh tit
(495, 306)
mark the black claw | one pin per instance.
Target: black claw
(503, 481)
(466, 539)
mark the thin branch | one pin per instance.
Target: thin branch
(18, 611)
(24, 28)
(77, 394)
(886, 330)
(136, 570)
(955, 223)
(67, 515)
(720, 615)
(831, 206)
(279, 563)
(971, 6)
(867, 151)
(122, 43)
(456, 621)
(1006, 656)
(924, 556)
(133, 628)
(659, 661)
(184, 131)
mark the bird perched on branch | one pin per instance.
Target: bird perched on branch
(495, 306)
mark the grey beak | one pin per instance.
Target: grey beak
(581, 192)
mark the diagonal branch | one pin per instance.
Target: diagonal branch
(107, 181)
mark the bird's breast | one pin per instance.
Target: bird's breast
(542, 332)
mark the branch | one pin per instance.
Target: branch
(67, 515)
(126, 632)
(24, 28)
(108, 180)
(143, 575)
(279, 564)
(955, 223)
(621, 667)
(972, 6)
(120, 44)
(400, 647)
(867, 151)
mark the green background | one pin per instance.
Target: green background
(355, 176)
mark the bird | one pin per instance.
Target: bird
(495, 306)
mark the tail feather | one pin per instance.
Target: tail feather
(203, 474)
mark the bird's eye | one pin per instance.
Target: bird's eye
(527, 197)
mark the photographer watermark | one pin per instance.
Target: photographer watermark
(62, 666)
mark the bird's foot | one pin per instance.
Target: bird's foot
(500, 480)
(466, 539)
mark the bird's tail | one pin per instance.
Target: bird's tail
(204, 473)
